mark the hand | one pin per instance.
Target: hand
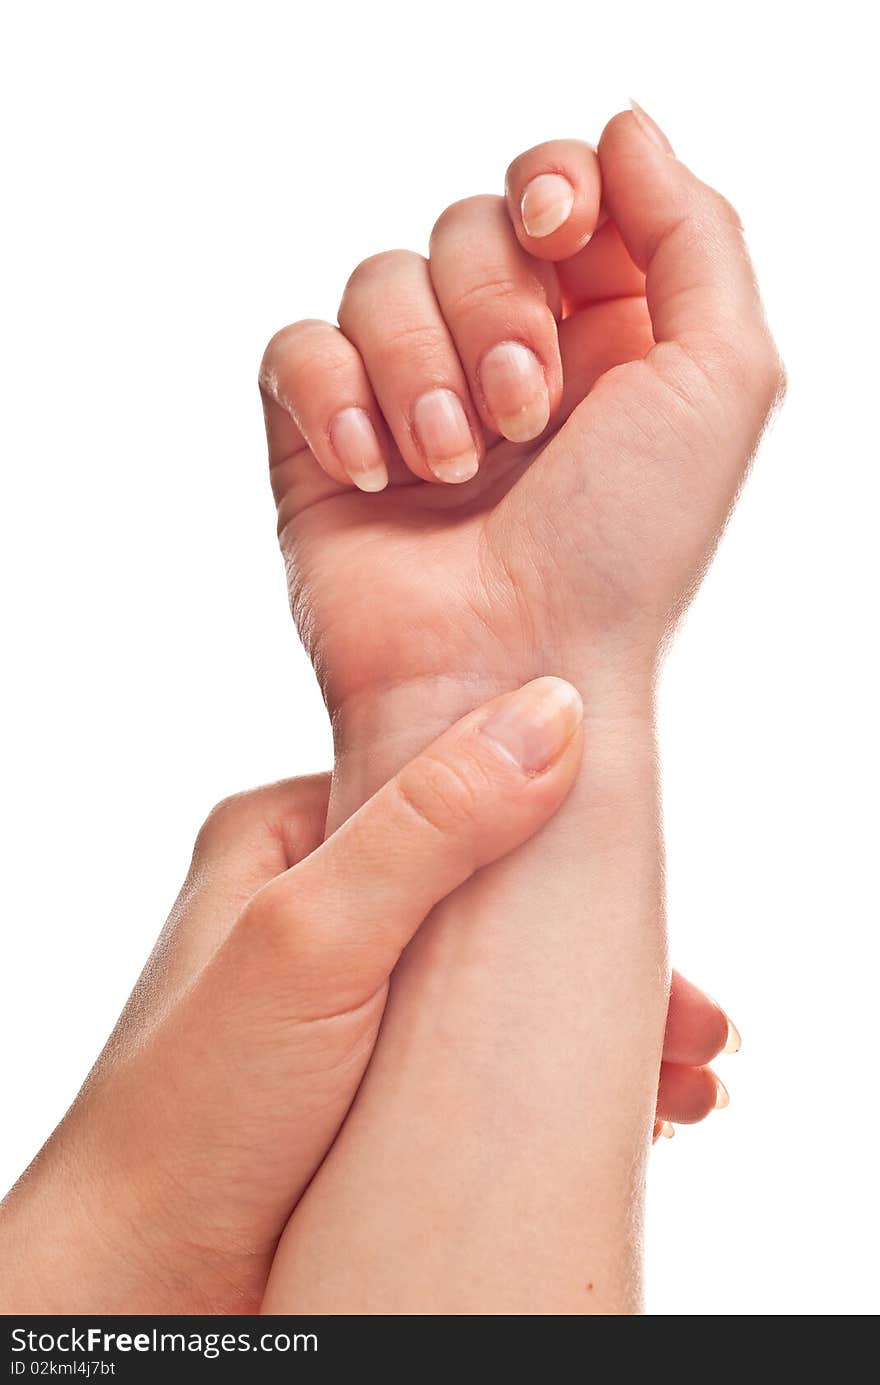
(603, 394)
(170, 1180)
(167, 1185)
(610, 387)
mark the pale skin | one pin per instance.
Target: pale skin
(592, 465)
(493, 1159)
(169, 1182)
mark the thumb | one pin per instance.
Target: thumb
(700, 284)
(235, 1093)
(344, 915)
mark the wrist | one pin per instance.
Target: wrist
(84, 1238)
(59, 1230)
(378, 730)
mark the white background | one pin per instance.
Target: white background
(181, 179)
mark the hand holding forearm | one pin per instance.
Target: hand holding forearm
(166, 1187)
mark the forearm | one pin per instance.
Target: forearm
(494, 1159)
(70, 1242)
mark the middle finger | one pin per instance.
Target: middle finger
(500, 306)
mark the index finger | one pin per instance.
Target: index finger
(553, 193)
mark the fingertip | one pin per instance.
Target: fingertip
(633, 134)
(553, 196)
(714, 1034)
(545, 205)
(371, 482)
(355, 443)
(528, 744)
(688, 1094)
(316, 396)
(733, 1043)
(456, 471)
(623, 124)
(515, 385)
(697, 1029)
(536, 725)
(445, 436)
(650, 129)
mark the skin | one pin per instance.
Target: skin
(167, 1185)
(239, 1054)
(517, 1062)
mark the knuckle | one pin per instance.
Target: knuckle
(275, 922)
(483, 206)
(305, 972)
(385, 264)
(493, 294)
(443, 794)
(286, 348)
(222, 821)
(755, 366)
(262, 938)
(724, 210)
(781, 381)
(774, 380)
(746, 370)
(423, 346)
(290, 338)
(525, 307)
(705, 1097)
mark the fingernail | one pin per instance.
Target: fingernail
(534, 725)
(722, 1095)
(516, 392)
(667, 1131)
(734, 1042)
(354, 441)
(445, 436)
(651, 129)
(546, 204)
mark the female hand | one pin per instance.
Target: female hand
(169, 1182)
(560, 402)
(558, 411)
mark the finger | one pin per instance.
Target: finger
(317, 394)
(593, 341)
(553, 194)
(697, 1029)
(263, 832)
(501, 308)
(343, 917)
(700, 285)
(688, 1094)
(602, 270)
(246, 841)
(597, 338)
(390, 313)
